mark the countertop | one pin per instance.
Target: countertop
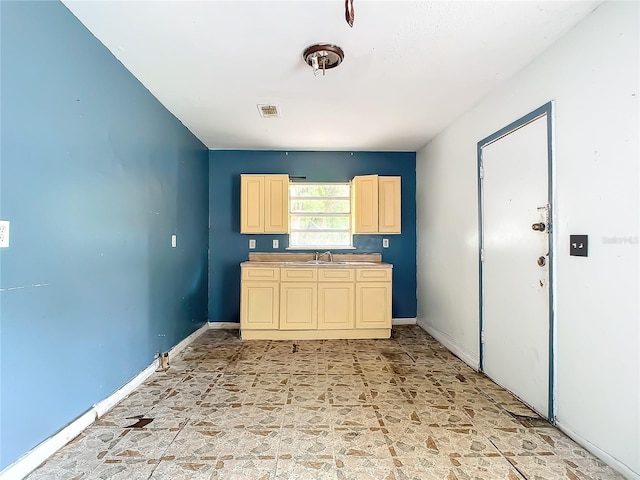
(321, 264)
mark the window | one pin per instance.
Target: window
(319, 215)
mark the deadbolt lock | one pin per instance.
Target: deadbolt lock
(542, 261)
(539, 227)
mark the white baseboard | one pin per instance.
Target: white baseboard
(403, 321)
(224, 325)
(178, 347)
(31, 460)
(604, 456)
(28, 462)
(103, 406)
(463, 353)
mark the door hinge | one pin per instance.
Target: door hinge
(482, 337)
(482, 254)
(481, 171)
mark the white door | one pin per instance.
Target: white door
(516, 291)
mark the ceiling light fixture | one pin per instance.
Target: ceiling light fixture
(323, 56)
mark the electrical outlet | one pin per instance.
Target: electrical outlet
(385, 243)
(4, 233)
(252, 243)
(174, 241)
(275, 243)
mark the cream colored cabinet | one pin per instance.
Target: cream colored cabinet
(260, 298)
(276, 206)
(315, 302)
(373, 298)
(298, 298)
(336, 298)
(376, 204)
(389, 205)
(264, 203)
(298, 306)
(364, 196)
(251, 204)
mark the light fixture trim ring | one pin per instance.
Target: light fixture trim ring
(334, 58)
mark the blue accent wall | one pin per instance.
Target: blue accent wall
(95, 177)
(228, 248)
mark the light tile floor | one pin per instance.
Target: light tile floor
(403, 408)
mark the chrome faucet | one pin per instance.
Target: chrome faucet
(328, 252)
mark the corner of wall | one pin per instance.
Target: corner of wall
(462, 352)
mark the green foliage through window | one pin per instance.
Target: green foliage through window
(319, 215)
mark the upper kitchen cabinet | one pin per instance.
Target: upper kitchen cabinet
(376, 204)
(389, 205)
(264, 203)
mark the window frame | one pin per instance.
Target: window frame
(348, 215)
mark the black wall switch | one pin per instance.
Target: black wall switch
(578, 245)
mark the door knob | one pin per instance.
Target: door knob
(539, 227)
(542, 261)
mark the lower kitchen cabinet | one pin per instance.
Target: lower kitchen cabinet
(336, 305)
(373, 305)
(259, 305)
(297, 303)
(298, 306)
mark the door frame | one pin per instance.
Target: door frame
(546, 109)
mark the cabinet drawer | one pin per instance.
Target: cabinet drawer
(261, 274)
(336, 274)
(298, 274)
(373, 275)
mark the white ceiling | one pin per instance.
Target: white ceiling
(410, 68)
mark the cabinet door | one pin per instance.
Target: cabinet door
(365, 204)
(389, 204)
(251, 203)
(336, 305)
(276, 204)
(259, 305)
(299, 306)
(373, 305)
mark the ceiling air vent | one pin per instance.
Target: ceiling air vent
(269, 111)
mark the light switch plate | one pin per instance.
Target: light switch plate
(174, 241)
(385, 243)
(275, 243)
(252, 243)
(4, 233)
